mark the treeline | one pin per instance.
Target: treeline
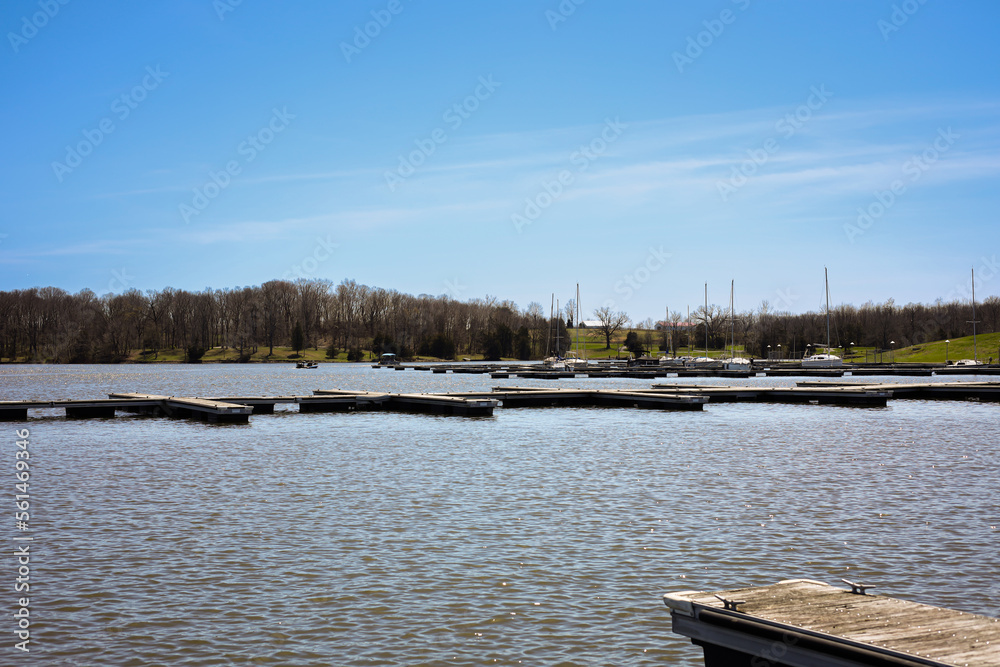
(881, 326)
(50, 325)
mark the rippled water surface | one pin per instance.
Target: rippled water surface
(536, 536)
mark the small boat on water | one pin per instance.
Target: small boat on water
(387, 360)
(968, 362)
(307, 364)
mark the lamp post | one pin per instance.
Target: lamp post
(946, 341)
(892, 351)
(779, 351)
(768, 352)
(852, 349)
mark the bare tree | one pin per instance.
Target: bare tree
(611, 323)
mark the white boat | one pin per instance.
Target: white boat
(822, 361)
(307, 364)
(703, 362)
(825, 359)
(554, 363)
(736, 364)
(968, 362)
(573, 360)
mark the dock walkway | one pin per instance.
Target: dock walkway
(800, 623)
(961, 391)
(237, 409)
(822, 395)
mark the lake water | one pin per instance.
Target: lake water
(536, 536)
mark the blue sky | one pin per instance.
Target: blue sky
(640, 149)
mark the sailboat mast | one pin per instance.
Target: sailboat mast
(706, 319)
(826, 278)
(666, 323)
(578, 321)
(558, 322)
(975, 349)
(548, 339)
(732, 321)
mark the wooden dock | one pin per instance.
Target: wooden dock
(535, 397)
(171, 406)
(237, 409)
(861, 396)
(804, 623)
(939, 391)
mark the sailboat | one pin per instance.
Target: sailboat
(975, 349)
(706, 361)
(824, 360)
(555, 362)
(733, 363)
(573, 360)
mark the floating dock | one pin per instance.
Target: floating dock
(861, 396)
(958, 391)
(804, 623)
(237, 409)
(192, 408)
(535, 397)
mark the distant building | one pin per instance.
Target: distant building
(590, 324)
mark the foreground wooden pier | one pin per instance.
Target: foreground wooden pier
(804, 623)
(237, 409)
